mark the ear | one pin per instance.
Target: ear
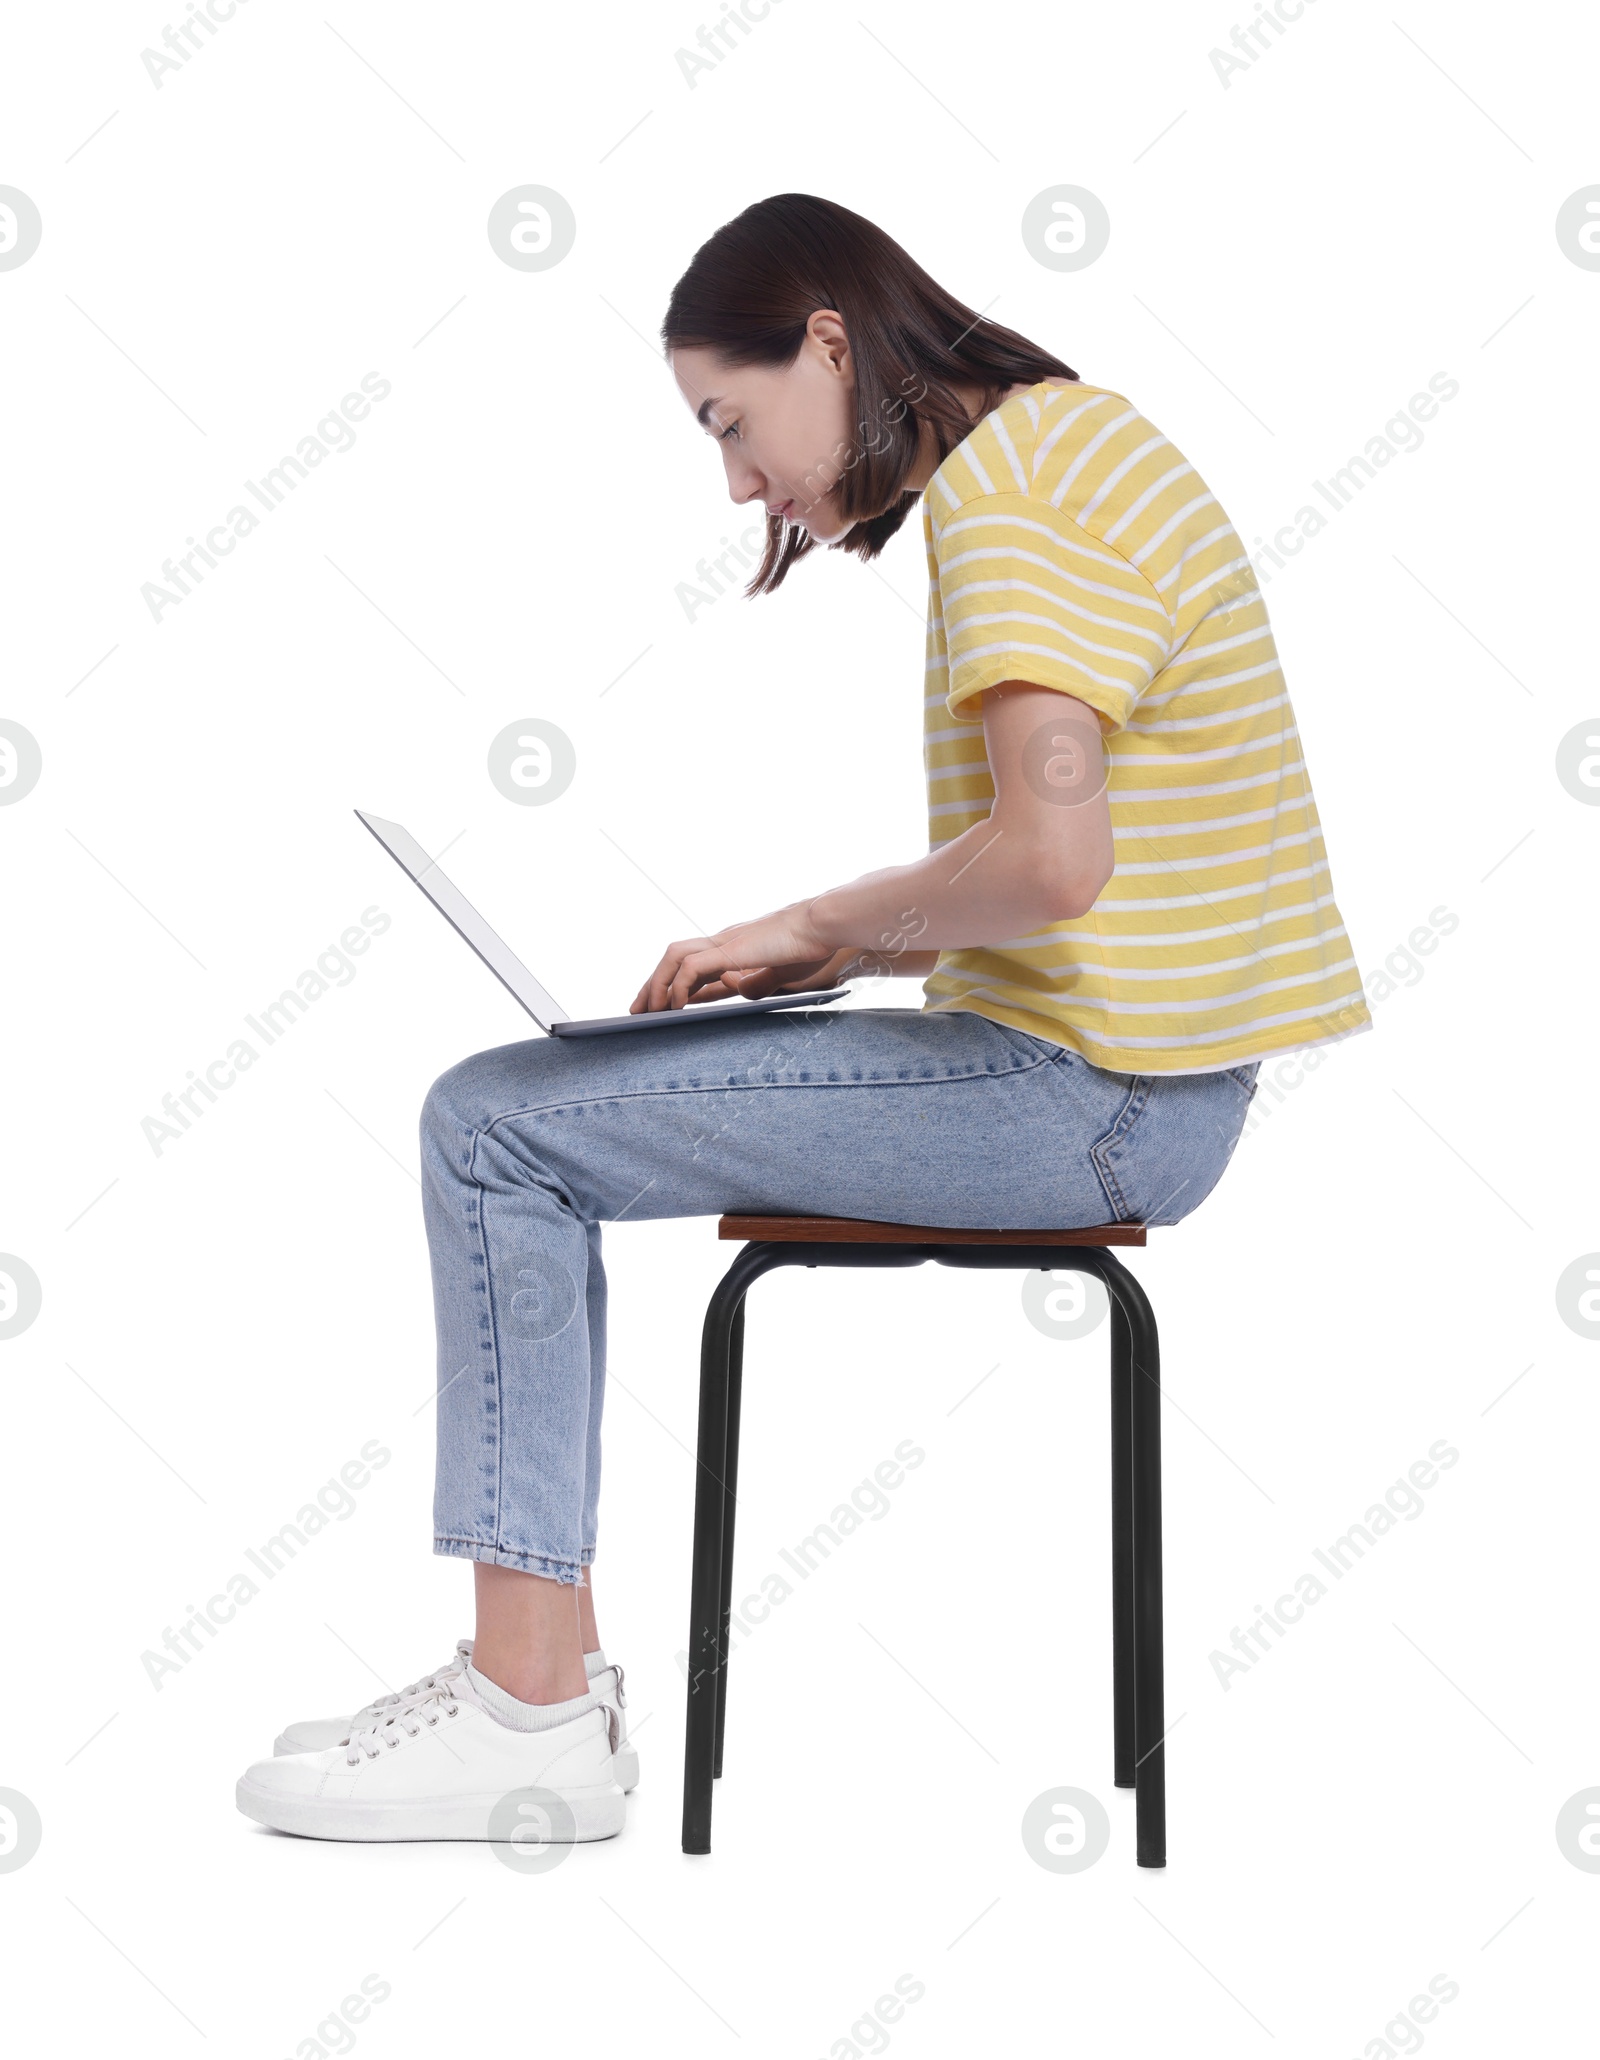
(828, 341)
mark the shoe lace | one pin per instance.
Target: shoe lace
(429, 1705)
(386, 1705)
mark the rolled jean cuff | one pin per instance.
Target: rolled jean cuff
(524, 1562)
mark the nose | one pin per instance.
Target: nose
(745, 483)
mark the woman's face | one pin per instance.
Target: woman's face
(784, 432)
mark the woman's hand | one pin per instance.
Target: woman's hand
(779, 953)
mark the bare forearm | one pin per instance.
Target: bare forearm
(981, 888)
(865, 962)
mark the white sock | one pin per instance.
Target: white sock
(527, 1716)
(594, 1662)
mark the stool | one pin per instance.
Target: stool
(1139, 1754)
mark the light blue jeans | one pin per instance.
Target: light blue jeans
(901, 1115)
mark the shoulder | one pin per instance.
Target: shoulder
(1084, 462)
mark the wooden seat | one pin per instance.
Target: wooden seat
(853, 1230)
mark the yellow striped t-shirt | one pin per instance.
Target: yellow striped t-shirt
(1071, 545)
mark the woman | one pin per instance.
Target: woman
(1125, 906)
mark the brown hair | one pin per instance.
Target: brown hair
(751, 288)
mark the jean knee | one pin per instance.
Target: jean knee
(444, 1104)
(470, 1097)
(464, 1099)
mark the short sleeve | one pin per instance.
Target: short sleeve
(1025, 592)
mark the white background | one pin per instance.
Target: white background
(225, 1324)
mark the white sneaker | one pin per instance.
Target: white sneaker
(316, 1734)
(441, 1766)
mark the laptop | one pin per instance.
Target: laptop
(545, 1010)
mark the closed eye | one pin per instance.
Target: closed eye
(731, 430)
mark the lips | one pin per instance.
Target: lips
(779, 508)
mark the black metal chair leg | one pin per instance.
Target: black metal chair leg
(1149, 1721)
(721, 1349)
(730, 1498)
(710, 1501)
(1123, 1751)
